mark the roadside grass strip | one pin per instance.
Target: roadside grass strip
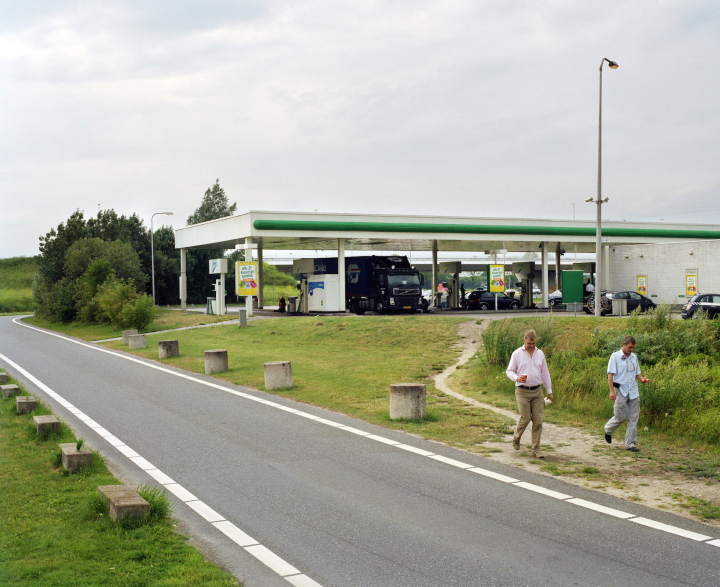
(387, 441)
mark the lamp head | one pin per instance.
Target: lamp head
(612, 64)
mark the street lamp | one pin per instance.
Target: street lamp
(152, 250)
(599, 201)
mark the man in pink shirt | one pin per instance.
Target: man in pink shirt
(528, 369)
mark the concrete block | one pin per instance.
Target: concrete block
(216, 361)
(126, 334)
(407, 401)
(136, 341)
(9, 390)
(25, 404)
(242, 318)
(169, 348)
(73, 459)
(123, 502)
(46, 424)
(278, 375)
(3, 378)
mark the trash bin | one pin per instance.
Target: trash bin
(256, 305)
(292, 304)
(619, 307)
(211, 303)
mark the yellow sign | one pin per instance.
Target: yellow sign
(246, 278)
(690, 282)
(497, 278)
(642, 284)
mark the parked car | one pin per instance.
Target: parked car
(634, 301)
(481, 299)
(555, 298)
(708, 303)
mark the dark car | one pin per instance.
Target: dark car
(708, 303)
(634, 301)
(481, 299)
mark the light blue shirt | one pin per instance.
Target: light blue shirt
(624, 369)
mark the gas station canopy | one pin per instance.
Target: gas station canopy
(365, 232)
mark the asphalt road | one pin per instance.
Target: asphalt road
(284, 493)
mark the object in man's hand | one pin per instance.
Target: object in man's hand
(548, 401)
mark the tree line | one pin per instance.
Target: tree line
(98, 269)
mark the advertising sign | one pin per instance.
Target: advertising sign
(218, 266)
(690, 282)
(246, 278)
(642, 284)
(497, 278)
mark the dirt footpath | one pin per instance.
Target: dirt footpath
(570, 450)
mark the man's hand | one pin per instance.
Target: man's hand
(612, 395)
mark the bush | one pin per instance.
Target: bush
(503, 337)
(139, 314)
(112, 297)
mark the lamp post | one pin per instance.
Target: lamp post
(599, 201)
(152, 250)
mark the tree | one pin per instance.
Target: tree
(215, 204)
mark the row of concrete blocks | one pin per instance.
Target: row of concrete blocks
(278, 374)
(121, 501)
(135, 341)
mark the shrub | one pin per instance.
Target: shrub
(502, 337)
(139, 314)
(112, 297)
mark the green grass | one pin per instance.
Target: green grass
(52, 531)
(16, 279)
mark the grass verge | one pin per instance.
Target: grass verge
(165, 320)
(54, 533)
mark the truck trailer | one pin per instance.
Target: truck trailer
(378, 283)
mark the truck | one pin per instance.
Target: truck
(378, 283)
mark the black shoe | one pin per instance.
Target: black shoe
(633, 449)
(608, 438)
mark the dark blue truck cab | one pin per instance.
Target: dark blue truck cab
(378, 283)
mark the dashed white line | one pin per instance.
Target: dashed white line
(600, 508)
(205, 511)
(272, 560)
(671, 529)
(493, 475)
(543, 490)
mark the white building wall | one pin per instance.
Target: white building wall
(665, 266)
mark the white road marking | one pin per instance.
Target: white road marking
(205, 511)
(449, 461)
(543, 490)
(235, 534)
(143, 463)
(529, 486)
(382, 439)
(419, 451)
(272, 560)
(600, 508)
(302, 581)
(494, 475)
(671, 529)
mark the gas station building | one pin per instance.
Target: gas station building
(369, 233)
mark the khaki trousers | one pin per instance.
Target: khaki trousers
(530, 405)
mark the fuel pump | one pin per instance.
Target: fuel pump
(525, 272)
(453, 294)
(304, 297)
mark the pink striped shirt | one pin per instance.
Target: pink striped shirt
(535, 367)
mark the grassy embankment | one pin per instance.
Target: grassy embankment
(54, 530)
(16, 279)
(679, 427)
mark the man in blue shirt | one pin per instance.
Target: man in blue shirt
(623, 375)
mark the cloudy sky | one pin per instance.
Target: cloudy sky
(478, 108)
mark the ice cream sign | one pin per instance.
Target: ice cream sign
(497, 278)
(642, 284)
(246, 278)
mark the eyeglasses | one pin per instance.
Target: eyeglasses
(628, 364)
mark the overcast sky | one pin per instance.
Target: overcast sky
(477, 108)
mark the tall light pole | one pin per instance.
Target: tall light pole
(152, 250)
(599, 201)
